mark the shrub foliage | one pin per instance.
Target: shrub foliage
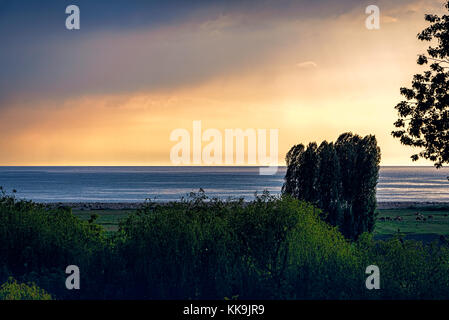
(12, 290)
(199, 248)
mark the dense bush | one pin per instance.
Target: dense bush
(12, 290)
(179, 250)
(38, 244)
(339, 178)
(270, 248)
(409, 269)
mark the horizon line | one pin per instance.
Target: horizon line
(194, 166)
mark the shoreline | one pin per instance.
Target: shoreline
(381, 205)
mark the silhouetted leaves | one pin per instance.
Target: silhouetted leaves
(424, 115)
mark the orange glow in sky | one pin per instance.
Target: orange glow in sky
(312, 78)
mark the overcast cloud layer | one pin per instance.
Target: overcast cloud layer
(126, 46)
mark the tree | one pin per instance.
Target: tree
(424, 114)
(308, 173)
(329, 183)
(302, 172)
(359, 166)
(292, 161)
(339, 178)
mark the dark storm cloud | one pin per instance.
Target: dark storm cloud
(48, 15)
(39, 57)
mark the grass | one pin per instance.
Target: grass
(427, 230)
(109, 219)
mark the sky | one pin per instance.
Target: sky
(111, 92)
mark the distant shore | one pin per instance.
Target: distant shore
(411, 204)
(134, 205)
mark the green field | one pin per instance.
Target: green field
(109, 219)
(436, 223)
(427, 230)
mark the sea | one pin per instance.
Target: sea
(136, 184)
